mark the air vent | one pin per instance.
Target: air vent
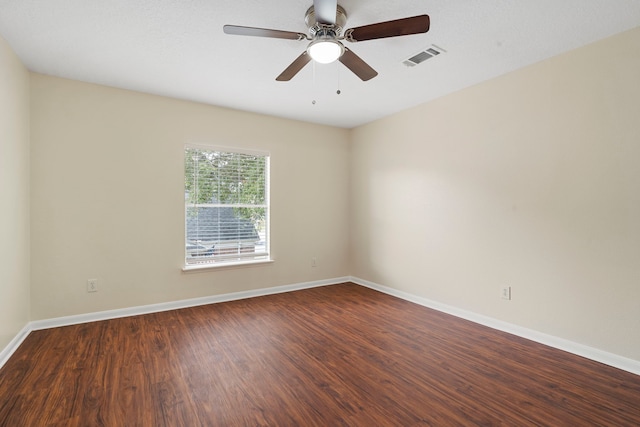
(420, 57)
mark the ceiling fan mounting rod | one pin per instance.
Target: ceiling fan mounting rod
(314, 25)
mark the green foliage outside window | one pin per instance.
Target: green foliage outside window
(219, 177)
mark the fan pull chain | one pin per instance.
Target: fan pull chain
(313, 81)
(338, 92)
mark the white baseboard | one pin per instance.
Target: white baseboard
(6, 353)
(175, 305)
(597, 355)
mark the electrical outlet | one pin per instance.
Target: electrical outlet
(314, 262)
(92, 285)
(505, 292)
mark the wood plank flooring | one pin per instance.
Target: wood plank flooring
(340, 355)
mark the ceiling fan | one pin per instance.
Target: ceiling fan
(325, 20)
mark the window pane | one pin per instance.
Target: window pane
(226, 206)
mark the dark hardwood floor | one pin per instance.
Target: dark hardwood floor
(340, 355)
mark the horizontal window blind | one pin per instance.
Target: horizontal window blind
(226, 206)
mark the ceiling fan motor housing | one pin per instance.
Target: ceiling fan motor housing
(315, 27)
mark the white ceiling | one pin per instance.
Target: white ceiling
(177, 48)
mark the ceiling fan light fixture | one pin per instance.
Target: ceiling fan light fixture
(325, 50)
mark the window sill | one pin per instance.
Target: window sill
(201, 267)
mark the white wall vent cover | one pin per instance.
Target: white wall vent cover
(420, 57)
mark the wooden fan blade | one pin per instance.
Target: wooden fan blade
(293, 69)
(237, 30)
(357, 65)
(399, 27)
(325, 11)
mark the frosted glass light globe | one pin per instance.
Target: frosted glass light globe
(325, 51)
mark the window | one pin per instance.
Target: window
(226, 206)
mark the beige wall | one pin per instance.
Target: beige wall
(530, 180)
(14, 189)
(108, 197)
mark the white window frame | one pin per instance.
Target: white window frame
(238, 259)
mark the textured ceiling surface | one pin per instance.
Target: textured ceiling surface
(177, 48)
